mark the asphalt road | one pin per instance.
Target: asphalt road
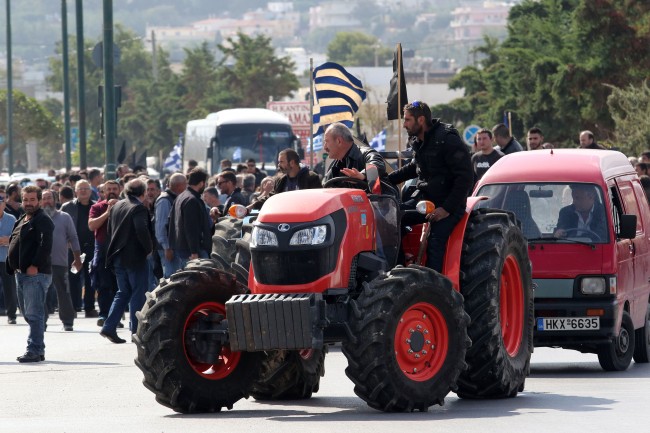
(90, 385)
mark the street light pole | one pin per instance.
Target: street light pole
(109, 91)
(81, 92)
(10, 95)
(66, 84)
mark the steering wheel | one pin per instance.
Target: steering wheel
(591, 234)
(339, 182)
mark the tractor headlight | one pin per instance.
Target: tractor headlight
(593, 286)
(263, 237)
(311, 236)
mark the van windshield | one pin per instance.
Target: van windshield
(553, 211)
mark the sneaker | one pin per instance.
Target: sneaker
(68, 328)
(11, 321)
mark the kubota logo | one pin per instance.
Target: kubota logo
(284, 227)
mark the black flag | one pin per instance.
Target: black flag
(395, 107)
(122, 155)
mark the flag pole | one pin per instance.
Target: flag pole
(510, 122)
(399, 109)
(311, 111)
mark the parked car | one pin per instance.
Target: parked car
(587, 221)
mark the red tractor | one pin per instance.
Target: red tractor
(318, 267)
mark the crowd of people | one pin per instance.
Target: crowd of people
(83, 245)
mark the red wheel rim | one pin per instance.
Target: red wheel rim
(227, 360)
(421, 341)
(511, 301)
(306, 354)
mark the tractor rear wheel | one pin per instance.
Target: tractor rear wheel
(186, 369)
(497, 287)
(226, 231)
(290, 374)
(410, 340)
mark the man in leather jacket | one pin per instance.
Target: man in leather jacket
(349, 158)
(444, 174)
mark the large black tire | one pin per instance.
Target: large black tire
(497, 287)
(241, 264)
(172, 372)
(642, 341)
(617, 355)
(226, 231)
(410, 340)
(290, 375)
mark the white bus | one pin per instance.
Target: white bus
(238, 134)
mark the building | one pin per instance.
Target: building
(470, 22)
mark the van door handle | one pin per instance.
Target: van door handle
(631, 246)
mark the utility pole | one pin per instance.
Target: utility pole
(10, 94)
(154, 57)
(81, 84)
(66, 84)
(109, 91)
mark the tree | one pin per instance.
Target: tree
(31, 122)
(250, 73)
(630, 109)
(357, 49)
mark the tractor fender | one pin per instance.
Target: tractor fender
(451, 265)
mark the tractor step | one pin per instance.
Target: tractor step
(274, 321)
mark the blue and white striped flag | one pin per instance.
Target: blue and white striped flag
(236, 155)
(173, 162)
(318, 143)
(379, 142)
(338, 96)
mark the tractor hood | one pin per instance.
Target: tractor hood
(312, 204)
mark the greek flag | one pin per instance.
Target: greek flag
(236, 155)
(338, 95)
(173, 162)
(318, 143)
(379, 142)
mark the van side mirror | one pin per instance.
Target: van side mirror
(627, 227)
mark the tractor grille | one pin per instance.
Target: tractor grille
(273, 321)
(291, 267)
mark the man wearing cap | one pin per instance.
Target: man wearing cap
(444, 175)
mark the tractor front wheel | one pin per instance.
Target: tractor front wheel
(183, 364)
(410, 340)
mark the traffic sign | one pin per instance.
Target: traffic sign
(469, 133)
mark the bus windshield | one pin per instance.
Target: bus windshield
(262, 142)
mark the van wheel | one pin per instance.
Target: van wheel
(617, 355)
(642, 341)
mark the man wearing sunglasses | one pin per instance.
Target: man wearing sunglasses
(444, 175)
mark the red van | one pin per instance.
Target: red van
(587, 221)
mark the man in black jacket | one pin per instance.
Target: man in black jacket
(29, 258)
(129, 243)
(442, 166)
(79, 210)
(190, 227)
(349, 158)
(584, 216)
(292, 177)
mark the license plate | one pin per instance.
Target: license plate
(568, 323)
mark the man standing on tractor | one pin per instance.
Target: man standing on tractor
(349, 158)
(442, 165)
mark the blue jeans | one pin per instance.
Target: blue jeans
(31, 294)
(169, 266)
(132, 284)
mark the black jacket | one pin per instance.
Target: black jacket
(128, 233)
(235, 198)
(30, 244)
(568, 219)
(442, 165)
(305, 179)
(189, 224)
(512, 146)
(72, 209)
(357, 157)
